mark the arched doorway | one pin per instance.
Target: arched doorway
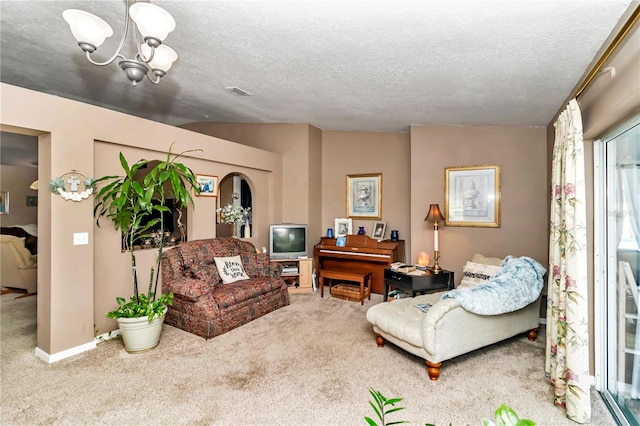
(235, 189)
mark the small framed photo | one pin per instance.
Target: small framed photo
(208, 185)
(343, 227)
(341, 241)
(4, 202)
(472, 196)
(32, 200)
(364, 196)
(378, 230)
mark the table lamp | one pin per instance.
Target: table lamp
(435, 216)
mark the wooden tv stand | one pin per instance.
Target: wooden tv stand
(298, 282)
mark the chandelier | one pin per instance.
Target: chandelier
(153, 23)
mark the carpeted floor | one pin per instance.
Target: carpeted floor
(310, 363)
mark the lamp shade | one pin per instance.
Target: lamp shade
(86, 27)
(434, 214)
(163, 56)
(152, 21)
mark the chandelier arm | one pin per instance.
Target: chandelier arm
(140, 56)
(156, 81)
(117, 53)
(110, 61)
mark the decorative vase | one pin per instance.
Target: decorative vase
(140, 335)
(394, 235)
(361, 230)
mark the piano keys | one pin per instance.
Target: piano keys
(360, 253)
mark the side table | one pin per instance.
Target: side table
(428, 282)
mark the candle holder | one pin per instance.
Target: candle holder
(436, 268)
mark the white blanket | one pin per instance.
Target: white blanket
(518, 284)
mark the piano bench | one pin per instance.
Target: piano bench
(362, 278)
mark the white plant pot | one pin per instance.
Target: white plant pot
(140, 335)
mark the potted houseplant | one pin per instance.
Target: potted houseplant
(136, 206)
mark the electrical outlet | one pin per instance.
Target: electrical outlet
(80, 238)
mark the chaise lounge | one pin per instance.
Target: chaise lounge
(492, 303)
(220, 284)
(19, 268)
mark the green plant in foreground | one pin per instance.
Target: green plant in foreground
(383, 406)
(505, 416)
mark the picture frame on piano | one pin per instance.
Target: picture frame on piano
(377, 233)
(343, 227)
(364, 196)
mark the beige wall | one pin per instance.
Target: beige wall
(607, 101)
(16, 180)
(347, 153)
(521, 154)
(69, 276)
(412, 167)
(300, 146)
(315, 187)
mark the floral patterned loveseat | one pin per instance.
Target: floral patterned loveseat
(202, 304)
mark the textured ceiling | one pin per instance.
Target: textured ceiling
(338, 65)
(18, 150)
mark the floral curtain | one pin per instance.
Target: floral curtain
(567, 334)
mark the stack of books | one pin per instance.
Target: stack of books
(401, 267)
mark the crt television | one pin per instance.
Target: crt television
(287, 241)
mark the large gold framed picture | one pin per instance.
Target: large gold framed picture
(472, 196)
(364, 196)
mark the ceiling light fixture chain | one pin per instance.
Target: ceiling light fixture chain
(152, 22)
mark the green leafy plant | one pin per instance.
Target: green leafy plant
(382, 406)
(146, 305)
(505, 416)
(135, 207)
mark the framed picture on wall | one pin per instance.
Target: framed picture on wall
(4, 202)
(472, 196)
(364, 196)
(208, 185)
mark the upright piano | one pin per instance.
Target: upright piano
(360, 253)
